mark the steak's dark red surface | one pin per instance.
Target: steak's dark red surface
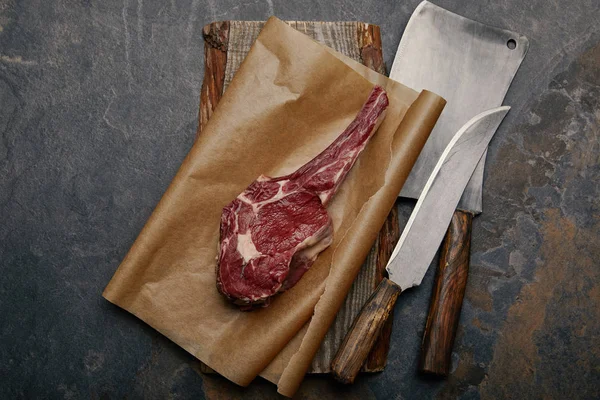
(274, 230)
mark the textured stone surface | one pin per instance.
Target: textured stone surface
(98, 107)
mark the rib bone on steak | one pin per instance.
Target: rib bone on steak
(273, 231)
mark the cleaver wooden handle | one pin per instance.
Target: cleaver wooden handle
(447, 297)
(364, 332)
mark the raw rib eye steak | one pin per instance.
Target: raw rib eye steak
(273, 231)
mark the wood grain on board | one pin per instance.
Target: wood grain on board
(225, 47)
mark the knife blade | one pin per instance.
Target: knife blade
(420, 238)
(469, 64)
(442, 191)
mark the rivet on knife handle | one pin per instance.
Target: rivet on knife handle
(364, 332)
(447, 296)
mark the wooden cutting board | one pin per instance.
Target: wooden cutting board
(225, 47)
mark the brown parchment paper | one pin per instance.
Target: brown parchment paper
(290, 98)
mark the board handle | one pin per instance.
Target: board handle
(364, 332)
(447, 296)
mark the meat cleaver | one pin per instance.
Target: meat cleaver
(472, 66)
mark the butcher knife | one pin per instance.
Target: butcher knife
(420, 239)
(472, 66)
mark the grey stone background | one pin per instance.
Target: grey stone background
(98, 107)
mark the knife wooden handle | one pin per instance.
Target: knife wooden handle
(364, 331)
(447, 297)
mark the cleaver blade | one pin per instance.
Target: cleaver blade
(469, 64)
